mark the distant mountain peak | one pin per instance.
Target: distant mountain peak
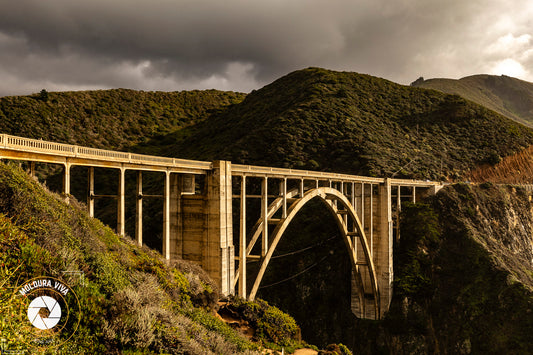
(506, 95)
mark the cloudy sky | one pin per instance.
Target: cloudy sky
(244, 44)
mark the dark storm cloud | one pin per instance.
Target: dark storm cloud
(244, 44)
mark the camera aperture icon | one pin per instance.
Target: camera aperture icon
(46, 312)
(37, 312)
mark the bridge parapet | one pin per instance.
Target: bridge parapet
(37, 146)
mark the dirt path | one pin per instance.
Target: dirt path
(305, 352)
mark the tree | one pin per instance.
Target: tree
(43, 95)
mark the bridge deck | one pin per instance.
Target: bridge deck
(19, 148)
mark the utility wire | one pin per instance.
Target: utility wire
(405, 166)
(304, 249)
(296, 275)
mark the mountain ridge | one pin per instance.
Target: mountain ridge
(313, 118)
(506, 95)
(319, 119)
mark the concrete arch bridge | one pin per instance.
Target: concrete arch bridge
(206, 206)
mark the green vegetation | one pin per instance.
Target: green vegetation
(353, 123)
(132, 301)
(110, 119)
(508, 96)
(271, 324)
(420, 233)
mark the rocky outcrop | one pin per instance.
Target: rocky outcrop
(464, 276)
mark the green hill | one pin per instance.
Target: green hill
(117, 119)
(111, 119)
(506, 95)
(348, 122)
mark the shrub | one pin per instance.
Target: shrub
(271, 324)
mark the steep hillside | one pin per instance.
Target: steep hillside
(514, 169)
(463, 277)
(130, 300)
(508, 96)
(111, 119)
(348, 122)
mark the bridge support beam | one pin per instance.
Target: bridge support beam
(166, 217)
(264, 215)
(32, 169)
(139, 210)
(90, 191)
(373, 206)
(121, 203)
(242, 240)
(176, 189)
(171, 238)
(218, 257)
(383, 245)
(66, 181)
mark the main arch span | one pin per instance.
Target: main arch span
(222, 215)
(352, 234)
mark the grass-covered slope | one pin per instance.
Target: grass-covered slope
(463, 276)
(111, 119)
(508, 96)
(348, 122)
(131, 300)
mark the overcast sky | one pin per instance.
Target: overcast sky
(242, 45)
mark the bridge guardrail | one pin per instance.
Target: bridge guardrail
(34, 144)
(68, 150)
(253, 169)
(527, 187)
(407, 182)
(282, 172)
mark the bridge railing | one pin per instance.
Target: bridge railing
(408, 182)
(251, 170)
(527, 187)
(68, 150)
(261, 171)
(37, 145)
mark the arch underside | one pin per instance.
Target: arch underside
(363, 270)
